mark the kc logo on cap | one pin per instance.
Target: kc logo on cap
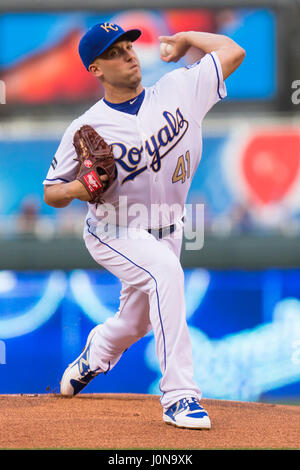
(101, 36)
(109, 26)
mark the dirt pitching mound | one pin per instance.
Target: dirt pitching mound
(121, 421)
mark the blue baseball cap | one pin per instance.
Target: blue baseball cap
(102, 35)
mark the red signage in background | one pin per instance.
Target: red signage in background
(55, 74)
(261, 169)
(270, 165)
(191, 20)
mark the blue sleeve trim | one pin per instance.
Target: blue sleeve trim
(218, 90)
(193, 65)
(54, 179)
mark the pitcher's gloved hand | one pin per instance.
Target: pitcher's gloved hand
(97, 169)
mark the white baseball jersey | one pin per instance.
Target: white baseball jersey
(157, 152)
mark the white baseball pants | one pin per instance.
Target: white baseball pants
(152, 296)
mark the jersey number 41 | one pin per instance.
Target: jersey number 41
(182, 170)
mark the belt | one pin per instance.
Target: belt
(163, 231)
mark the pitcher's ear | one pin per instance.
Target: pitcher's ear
(95, 70)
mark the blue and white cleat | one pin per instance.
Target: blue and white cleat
(187, 413)
(78, 374)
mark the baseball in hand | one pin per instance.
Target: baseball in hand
(165, 49)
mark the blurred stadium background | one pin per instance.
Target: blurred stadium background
(242, 287)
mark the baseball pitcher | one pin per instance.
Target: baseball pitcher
(132, 157)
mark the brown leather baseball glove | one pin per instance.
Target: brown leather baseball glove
(96, 159)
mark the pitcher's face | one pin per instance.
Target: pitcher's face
(118, 66)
